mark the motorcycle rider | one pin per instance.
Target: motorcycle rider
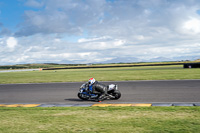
(96, 87)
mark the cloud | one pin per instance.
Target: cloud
(34, 3)
(60, 16)
(192, 26)
(103, 30)
(11, 42)
(5, 32)
(83, 40)
(117, 19)
(100, 43)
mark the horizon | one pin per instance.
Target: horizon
(50, 63)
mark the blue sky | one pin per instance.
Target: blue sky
(89, 31)
(12, 13)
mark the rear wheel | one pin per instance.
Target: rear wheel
(117, 94)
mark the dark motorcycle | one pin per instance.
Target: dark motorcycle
(86, 94)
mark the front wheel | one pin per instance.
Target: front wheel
(117, 94)
(83, 96)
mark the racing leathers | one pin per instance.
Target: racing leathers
(100, 89)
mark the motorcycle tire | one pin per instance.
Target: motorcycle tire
(81, 96)
(117, 94)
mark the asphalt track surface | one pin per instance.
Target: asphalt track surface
(169, 91)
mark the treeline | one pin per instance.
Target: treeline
(33, 66)
(12, 67)
(53, 66)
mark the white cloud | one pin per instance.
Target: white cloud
(103, 30)
(11, 42)
(83, 40)
(57, 40)
(98, 44)
(60, 16)
(192, 26)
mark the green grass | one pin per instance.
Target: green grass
(100, 119)
(102, 74)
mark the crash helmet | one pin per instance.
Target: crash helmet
(91, 81)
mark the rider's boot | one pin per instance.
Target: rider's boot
(102, 97)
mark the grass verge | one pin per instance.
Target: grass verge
(100, 119)
(102, 74)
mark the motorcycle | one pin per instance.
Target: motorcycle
(112, 93)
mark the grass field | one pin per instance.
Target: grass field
(100, 119)
(102, 74)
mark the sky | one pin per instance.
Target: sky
(96, 31)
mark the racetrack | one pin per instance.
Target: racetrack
(169, 91)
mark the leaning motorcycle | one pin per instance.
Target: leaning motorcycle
(112, 93)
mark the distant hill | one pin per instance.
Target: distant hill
(157, 59)
(122, 60)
